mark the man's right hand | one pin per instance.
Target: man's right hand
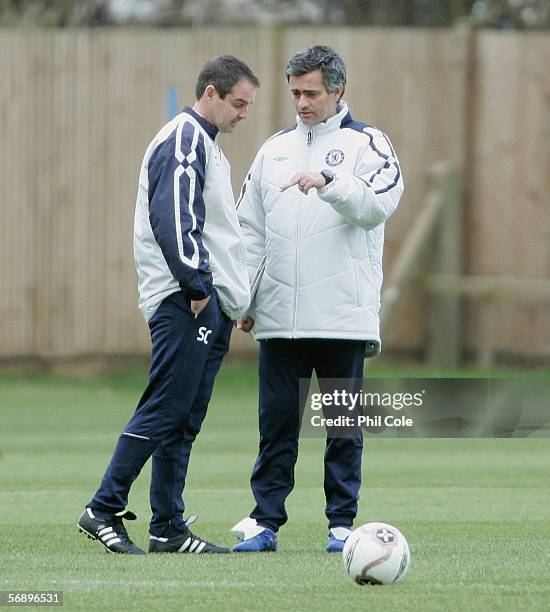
(245, 324)
(197, 306)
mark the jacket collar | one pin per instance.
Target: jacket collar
(208, 127)
(331, 124)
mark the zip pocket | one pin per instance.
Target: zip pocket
(358, 286)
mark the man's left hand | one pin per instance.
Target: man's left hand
(305, 181)
(245, 324)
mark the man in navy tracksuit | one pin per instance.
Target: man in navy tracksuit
(193, 282)
(313, 210)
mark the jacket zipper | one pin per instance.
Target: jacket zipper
(308, 143)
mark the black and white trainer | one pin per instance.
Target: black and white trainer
(185, 542)
(111, 532)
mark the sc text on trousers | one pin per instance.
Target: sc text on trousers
(204, 332)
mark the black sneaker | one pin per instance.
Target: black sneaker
(185, 542)
(110, 533)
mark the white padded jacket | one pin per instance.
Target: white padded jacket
(319, 255)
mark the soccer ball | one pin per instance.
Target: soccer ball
(376, 553)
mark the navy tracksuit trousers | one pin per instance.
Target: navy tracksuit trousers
(186, 356)
(282, 364)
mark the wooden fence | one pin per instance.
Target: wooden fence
(78, 108)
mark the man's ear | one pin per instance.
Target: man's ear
(210, 92)
(339, 91)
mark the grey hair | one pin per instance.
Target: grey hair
(319, 57)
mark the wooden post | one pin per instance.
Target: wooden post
(444, 313)
(487, 340)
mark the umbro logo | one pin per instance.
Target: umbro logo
(204, 332)
(282, 158)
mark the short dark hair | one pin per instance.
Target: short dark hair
(319, 57)
(223, 72)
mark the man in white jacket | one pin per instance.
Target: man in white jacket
(312, 209)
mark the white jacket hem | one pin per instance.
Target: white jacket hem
(322, 334)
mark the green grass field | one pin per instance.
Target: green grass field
(476, 512)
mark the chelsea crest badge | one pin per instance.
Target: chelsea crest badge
(334, 157)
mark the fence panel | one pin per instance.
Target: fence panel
(78, 108)
(508, 220)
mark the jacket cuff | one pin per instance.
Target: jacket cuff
(198, 294)
(195, 295)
